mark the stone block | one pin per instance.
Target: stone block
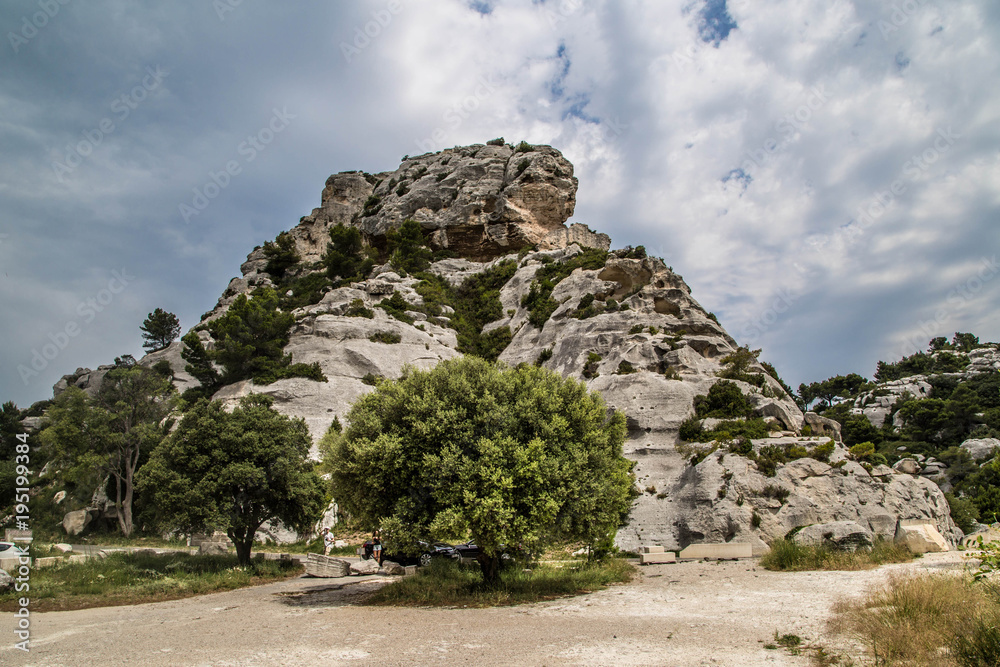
(410, 569)
(47, 562)
(63, 548)
(920, 537)
(725, 551)
(78, 558)
(648, 559)
(652, 550)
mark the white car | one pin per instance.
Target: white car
(9, 549)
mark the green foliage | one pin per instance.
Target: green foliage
(840, 386)
(737, 364)
(963, 512)
(234, 471)
(769, 458)
(397, 306)
(110, 435)
(371, 379)
(587, 308)
(543, 356)
(724, 400)
(306, 290)
(692, 431)
(539, 299)
(590, 367)
(625, 368)
(857, 428)
(524, 147)
(636, 329)
(506, 456)
(788, 555)
(522, 166)
(407, 249)
(159, 329)
(387, 337)
(865, 452)
(10, 428)
(346, 259)
(823, 452)
(774, 373)
(715, 319)
(357, 309)
(281, 255)
(776, 492)
(496, 142)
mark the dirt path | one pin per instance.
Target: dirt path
(679, 614)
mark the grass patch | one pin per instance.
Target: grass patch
(789, 556)
(128, 578)
(448, 584)
(925, 620)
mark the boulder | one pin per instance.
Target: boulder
(920, 537)
(389, 568)
(981, 449)
(212, 549)
(841, 535)
(364, 567)
(59, 497)
(6, 581)
(908, 466)
(822, 426)
(74, 523)
(63, 548)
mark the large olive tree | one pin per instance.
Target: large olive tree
(505, 456)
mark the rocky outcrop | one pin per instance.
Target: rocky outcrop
(981, 449)
(839, 535)
(627, 325)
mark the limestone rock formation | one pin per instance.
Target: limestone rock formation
(981, 449)
(623, 322)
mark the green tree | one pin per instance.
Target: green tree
(281, 255)
(110, 435)
(407, 248)
(965, 342)
(159, 329)
(234, 471)
(507, 456)
(10, 428)
(346, 259)
(250, 340)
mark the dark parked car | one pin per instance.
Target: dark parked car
(426, 551)
(469, 552)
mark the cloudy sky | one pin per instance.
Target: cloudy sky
(825, 175)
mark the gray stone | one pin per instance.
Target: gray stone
(842, 535)
(212, 549)
(63, 548)
(74, 523)
(981, 449)
(6, 581)
(389, 568)
(364, 567)
(908, 466)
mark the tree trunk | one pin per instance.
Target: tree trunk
(125, 513)
(490, 566)
(243, 541)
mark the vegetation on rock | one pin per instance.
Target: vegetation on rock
(159, 329)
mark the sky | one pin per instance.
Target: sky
(825, 176)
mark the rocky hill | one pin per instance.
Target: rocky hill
(624, 323)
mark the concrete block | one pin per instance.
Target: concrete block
(726, 551)
(78, 558)
(47, 562)
(410, 569)
(647, 559)
(651, 550)
(9, 564)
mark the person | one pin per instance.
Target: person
(377, 546)
(328, 541)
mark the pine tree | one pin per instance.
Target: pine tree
(159, 329)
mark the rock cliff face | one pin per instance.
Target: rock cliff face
(627, 326)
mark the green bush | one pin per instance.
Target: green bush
(625, 368)
(281, 255)
(408, 250)
(590, 368)
(524, 147)
(357, 309)
(539, 299)
(963, 512)
(387, 337)
(724, 399)
(346, 259)
(496, 142)
(397, 306)
(543, 356)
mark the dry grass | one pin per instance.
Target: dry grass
(939, 620)
(789, 556)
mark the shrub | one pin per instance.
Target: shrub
(963, 512)
(357, 309)
(496, 142)
(387, 337)
(625, 368)
(822, 452)
(755, 519)
(408, 250)
(590, 368)
(524, 147)
(371, 379)
(397, 306)
(769, 458)
(539, 299)
(346, 258)
(543, 356)
(776, 492)
(281, 255)
(724, 399)
(637, 329)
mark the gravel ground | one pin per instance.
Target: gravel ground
(694, 613)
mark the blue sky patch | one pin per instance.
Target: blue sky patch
(716, 23)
